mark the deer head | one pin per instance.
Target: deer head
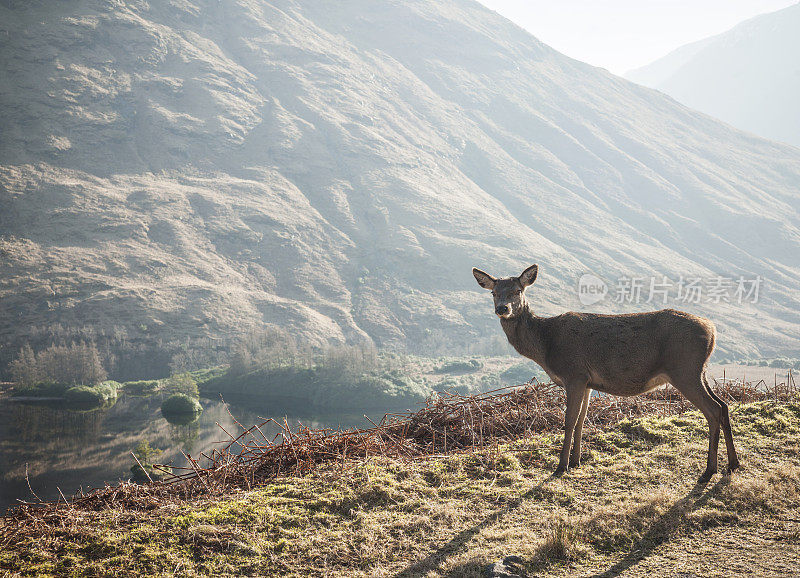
(508, 293)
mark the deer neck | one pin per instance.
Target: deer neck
(525, 332)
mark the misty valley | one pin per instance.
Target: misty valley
(62, 437)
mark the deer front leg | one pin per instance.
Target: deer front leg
(574, 402)
(575, 457)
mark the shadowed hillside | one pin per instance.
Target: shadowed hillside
(200, 168)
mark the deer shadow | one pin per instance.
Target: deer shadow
(435, 559)
(658, 532)
(664, 527)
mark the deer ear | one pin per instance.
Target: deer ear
(484, 279)
(529, 276)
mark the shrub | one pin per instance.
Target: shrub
(91, 396)
(141, 387)
(83, 396)
(144, 474)
(111, 386)
(146, 453)
(458, 385)
(460, 366)
(180, 403)
(182, 419)
(44, 390)
(518, 373)
(181, 383)
(784, 363)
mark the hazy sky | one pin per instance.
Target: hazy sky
(623, 34)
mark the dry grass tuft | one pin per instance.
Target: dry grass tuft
(773, 492)
(562, 542)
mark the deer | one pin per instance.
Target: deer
(625, 355)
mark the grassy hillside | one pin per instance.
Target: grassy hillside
(195, 169)
(632, 508)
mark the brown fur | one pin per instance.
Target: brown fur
(617, 354)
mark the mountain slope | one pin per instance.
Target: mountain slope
(660, 70)
(748, 76)
(201, 168)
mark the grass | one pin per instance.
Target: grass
(633, 503)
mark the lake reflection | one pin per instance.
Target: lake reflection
(69, 449)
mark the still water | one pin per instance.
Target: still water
(68, 450)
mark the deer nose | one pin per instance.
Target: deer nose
(501, 309)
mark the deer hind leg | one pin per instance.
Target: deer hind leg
(574, 402)
(575, 457)
(725, 421)
(695, 391)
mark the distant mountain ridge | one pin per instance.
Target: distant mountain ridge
(748, 76)
(197, 168)
(662, 69)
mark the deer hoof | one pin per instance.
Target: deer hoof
(560, 471)
(574, 464)
(706, 477)
(732, 467)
